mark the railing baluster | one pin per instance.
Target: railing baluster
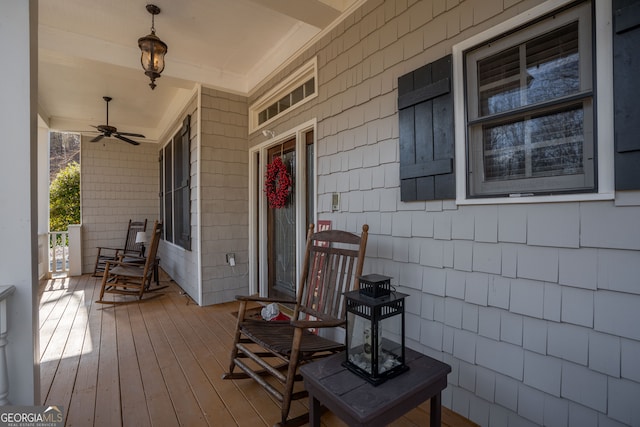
(63, 238)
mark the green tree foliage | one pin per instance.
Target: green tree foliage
(64, 198)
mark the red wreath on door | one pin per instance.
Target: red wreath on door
(277, 183)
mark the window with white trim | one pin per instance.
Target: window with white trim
(530, 114)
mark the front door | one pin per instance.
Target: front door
(281, 230)
(285, 237)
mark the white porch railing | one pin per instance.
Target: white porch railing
(58, 253)
(64, 252)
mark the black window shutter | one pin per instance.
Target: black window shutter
(425, 109)
(626, 92)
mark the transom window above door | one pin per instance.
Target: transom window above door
(298, 88)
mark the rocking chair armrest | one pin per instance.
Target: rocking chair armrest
(249, 298)
(326, 323)
(100, 248)
(134, 257)
(320, 320)
(122, 264)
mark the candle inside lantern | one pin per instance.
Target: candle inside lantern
(368, 344)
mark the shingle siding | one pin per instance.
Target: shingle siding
(224, 178)
(119, 182)
(533, 305)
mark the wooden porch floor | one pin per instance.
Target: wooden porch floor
(154, 363)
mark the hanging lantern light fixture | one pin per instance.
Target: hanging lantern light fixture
(153, 49)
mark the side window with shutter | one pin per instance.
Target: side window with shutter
(425, 108)
(626, 91)
(182, 188)
(175, 188)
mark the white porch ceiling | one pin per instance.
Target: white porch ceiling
(89, 49)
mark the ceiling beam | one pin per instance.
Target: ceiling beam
(317, 13)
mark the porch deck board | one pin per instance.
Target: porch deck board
(183, 401)
(201, 344)
(134, 407)
(81, 409)
(59, 336)
(158, 401)
(63, 373)
(158, 362)
(108, 408)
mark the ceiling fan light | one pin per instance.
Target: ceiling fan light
(152, 50)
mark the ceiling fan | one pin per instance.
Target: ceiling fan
(109, 131)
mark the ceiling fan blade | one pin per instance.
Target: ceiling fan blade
(97, 138)
(124, 138)
(136, 135)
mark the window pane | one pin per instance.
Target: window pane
(161, 186)
(499, 82)
(557, 143)
(553, 65)
(284, 236)
(177, 162)
(168, 225)
(546, 145)
(552, 71)
(272, 111)
(168, 192)
(500, 98)
(504, 151)
(297, 95)
(262, 117)
(168, 161)
(309, 88)
(310, 179)
(284, 103)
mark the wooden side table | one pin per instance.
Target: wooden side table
(358, 403)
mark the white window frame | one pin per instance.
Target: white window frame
(297, 78)
(603, 90)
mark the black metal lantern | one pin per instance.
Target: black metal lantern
(375, 330)
(153, 50)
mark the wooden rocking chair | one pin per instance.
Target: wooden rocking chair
(131, 278)
(130, 247)
(332, 265)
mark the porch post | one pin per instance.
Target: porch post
(75, 250)
(18, 173)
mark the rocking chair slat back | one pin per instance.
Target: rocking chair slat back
(130, 244)
(128, 276)
(330, 271)
(130, 247)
